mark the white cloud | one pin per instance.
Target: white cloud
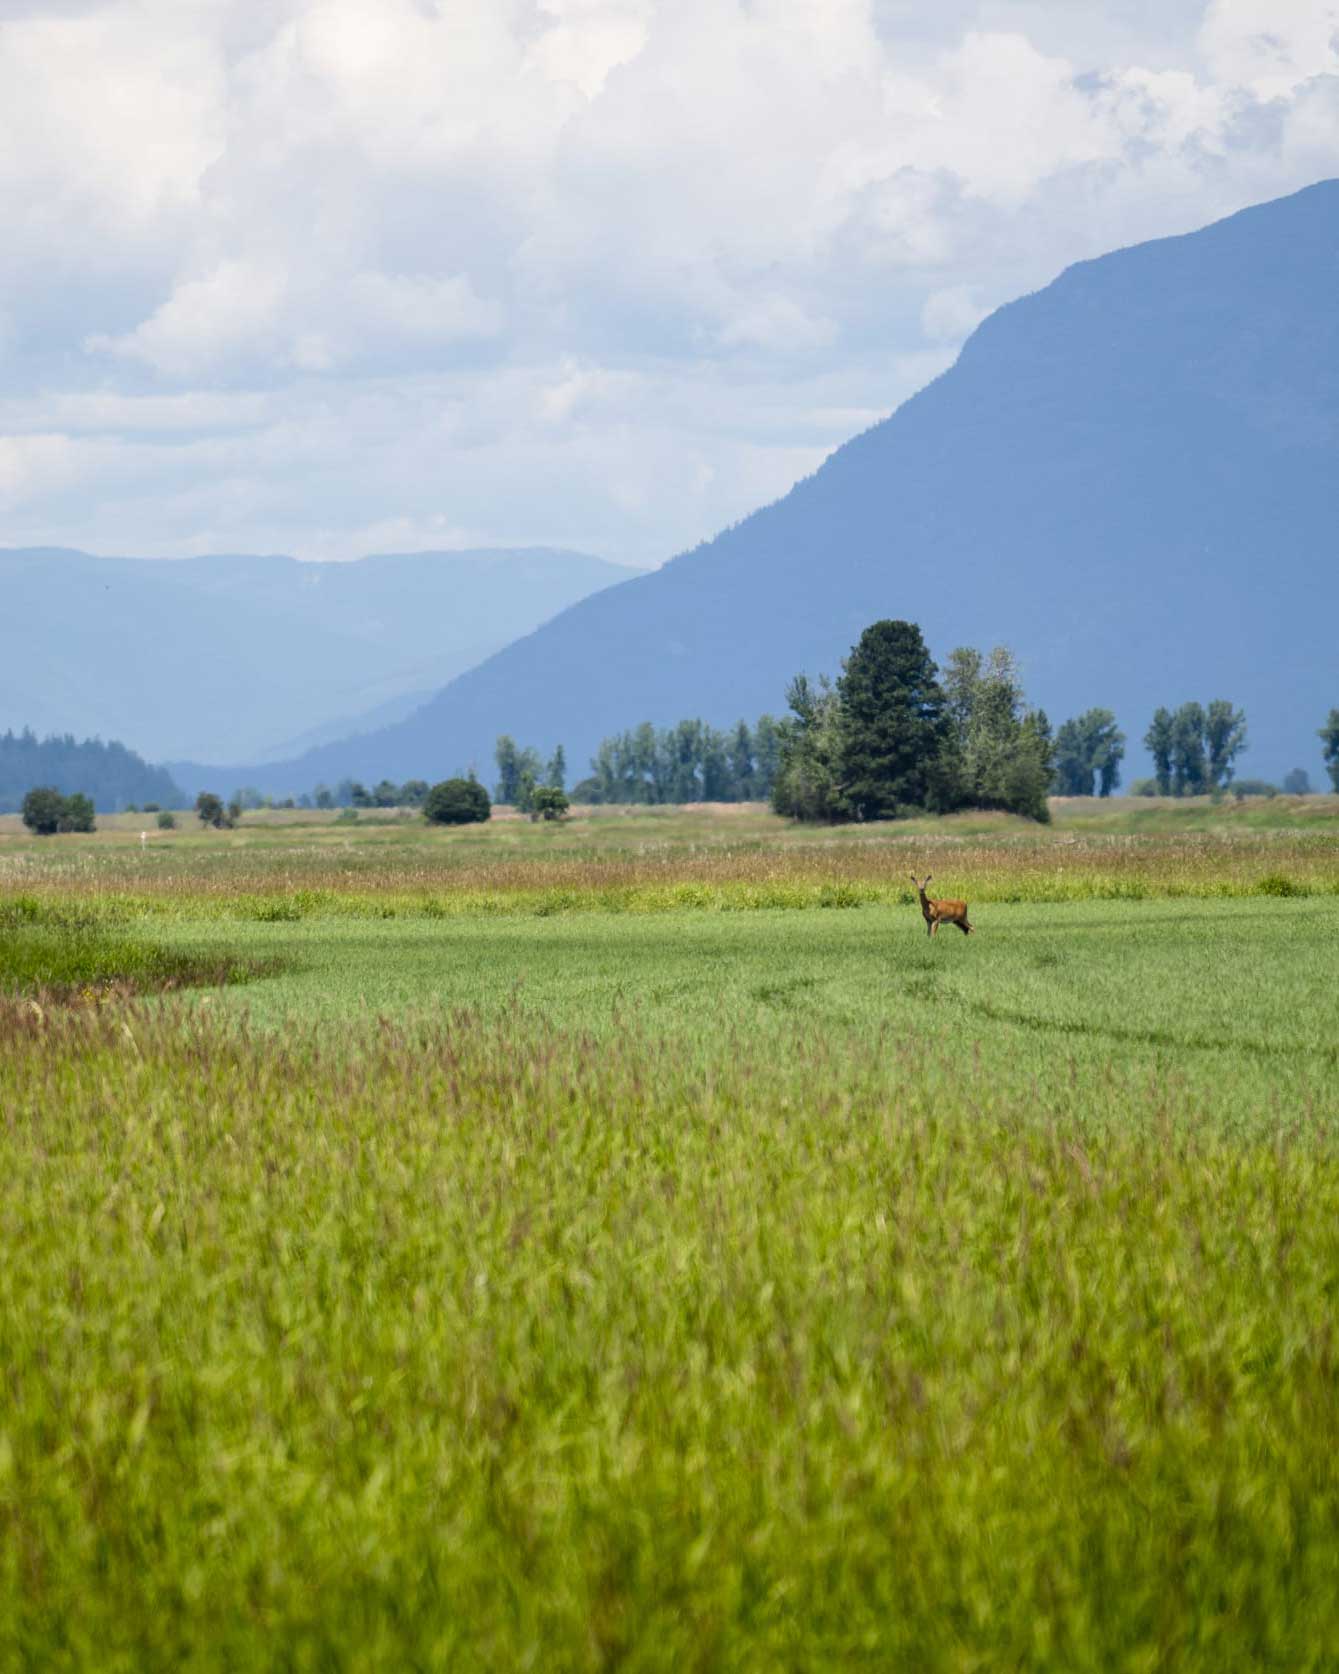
(1271, 46)
(601, 272)
(951, 314)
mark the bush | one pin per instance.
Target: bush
(211, 810)
(1253, 787)
(548, 802)
(166, 821)
(45, 812)
(457, 802)
(77, 814)
(1144, 787)
(1297, 782)
(42, 810)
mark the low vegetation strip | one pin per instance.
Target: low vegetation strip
(490, 1345)
(430, 881)
(55, 964)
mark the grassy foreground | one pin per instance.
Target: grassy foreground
(669, 1286)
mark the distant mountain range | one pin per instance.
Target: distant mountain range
(1130, 477)
(257, 657)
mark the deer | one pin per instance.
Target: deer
(941, 912)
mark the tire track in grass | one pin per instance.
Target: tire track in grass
(1150, 1037)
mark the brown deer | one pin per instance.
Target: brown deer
(941, 912)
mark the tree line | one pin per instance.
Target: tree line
(889, 737)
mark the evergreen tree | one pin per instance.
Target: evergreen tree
(555, 773)
(893, 729)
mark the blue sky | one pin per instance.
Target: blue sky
(338, 276)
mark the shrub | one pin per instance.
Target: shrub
(548, 802)
(211, 810)
(45, 811)
(77, 814)
(1253, 787)
(167, 821)
(42, 810)
(1275, 883)
(457, 802)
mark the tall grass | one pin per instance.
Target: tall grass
(489, 1346)
(577, 1262)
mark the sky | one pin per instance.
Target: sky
(331, 277)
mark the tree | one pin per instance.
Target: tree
(456, 802)
(385, 794)
(235, 811)
(741, 763)
(549, 802)
(514, 766)
(413, 793)
(893, 730)
(42, 809)
(1224, 739)
(1297, 782)
(766, 756)
(77, 814)
(1190, 766)
(1159, 742)
(211, 810)
(555, 773)
(1001, 752)
(111, 775)
(324, 797)
(809, 745)
(1329, 737)
(1089, 751)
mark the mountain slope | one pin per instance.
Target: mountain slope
(232, 656)
(1130, 477)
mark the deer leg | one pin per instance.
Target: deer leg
(964, 927)
(934, 925)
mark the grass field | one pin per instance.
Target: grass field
(638, 1245)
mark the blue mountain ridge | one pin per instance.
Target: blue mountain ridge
(1129, 477)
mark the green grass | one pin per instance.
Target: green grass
(676, 1287)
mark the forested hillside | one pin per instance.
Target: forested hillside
(109, 774)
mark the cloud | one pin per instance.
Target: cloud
(600, 272)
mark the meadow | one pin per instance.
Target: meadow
(635, 1244)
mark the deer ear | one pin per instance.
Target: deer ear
(928, 876)
(914, 879)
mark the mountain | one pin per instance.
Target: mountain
(1130, 477)
(236, 656)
